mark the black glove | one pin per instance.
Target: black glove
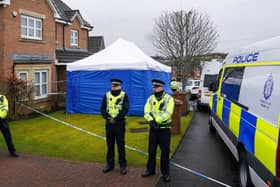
(153, 124)
(111, 120)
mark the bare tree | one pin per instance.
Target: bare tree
(182, 36)
(16, 90)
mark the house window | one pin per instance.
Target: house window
(23, 75)
(31, 28)
(74, 37)
(41, 84)
(23, 89)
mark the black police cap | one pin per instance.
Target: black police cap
(116, 81)
(156, 82)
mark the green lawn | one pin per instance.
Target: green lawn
(42, 136)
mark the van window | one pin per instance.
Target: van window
(196, 83)
(260, 91)
(231, 83)
(208, 79)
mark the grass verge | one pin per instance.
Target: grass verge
(45, 137)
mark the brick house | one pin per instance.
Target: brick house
(33, 36)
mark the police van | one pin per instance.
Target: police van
(245, 111)
(209, 74)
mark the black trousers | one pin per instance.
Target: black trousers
(115, 133)
(159, 137)
(4, 127)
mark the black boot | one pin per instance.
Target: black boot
(123, 171)
(107, 169)
(147, 173)
(14, 154)
(166, 178)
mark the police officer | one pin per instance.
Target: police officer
(114, 109)
(158, 112)
(4, 125)
(174, 85)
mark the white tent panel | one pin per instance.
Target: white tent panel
(121, 55)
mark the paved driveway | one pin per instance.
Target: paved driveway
(36, 171)
(203, 152)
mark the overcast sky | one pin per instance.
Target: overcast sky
(238, 22)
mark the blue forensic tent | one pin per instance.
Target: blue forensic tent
(89, 79)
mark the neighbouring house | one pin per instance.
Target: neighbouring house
(72, 32)
(38, 38)
(96, 44)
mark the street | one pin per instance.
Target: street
(205, 153)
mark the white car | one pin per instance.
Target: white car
(192, 87)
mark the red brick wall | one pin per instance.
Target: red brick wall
(12, 40)
(59, 34)
(83, 34)
(2, 12)
(61, 76)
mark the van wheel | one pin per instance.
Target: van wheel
(244, 175)
(211, 127)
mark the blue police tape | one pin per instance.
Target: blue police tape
(128, 147)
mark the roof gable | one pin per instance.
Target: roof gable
(63, 13)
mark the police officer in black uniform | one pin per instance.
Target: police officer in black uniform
(114, 109)
(4, 126)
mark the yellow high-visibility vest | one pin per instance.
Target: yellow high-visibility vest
(161, 110)
(114, 103)
(3, 107)
(174, 85)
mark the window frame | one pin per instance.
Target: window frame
(34, 28)
(74, 41)
(40, 84)
(23, 71)
(27, 78)
(197, 83)
(226, 77)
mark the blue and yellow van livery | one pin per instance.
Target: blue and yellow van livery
(245, 111)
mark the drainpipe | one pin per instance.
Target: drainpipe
(63, 36)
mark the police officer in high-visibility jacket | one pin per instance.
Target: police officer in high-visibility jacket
(158, 112)
(114, 109)
(4, 126)
(174, 85)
